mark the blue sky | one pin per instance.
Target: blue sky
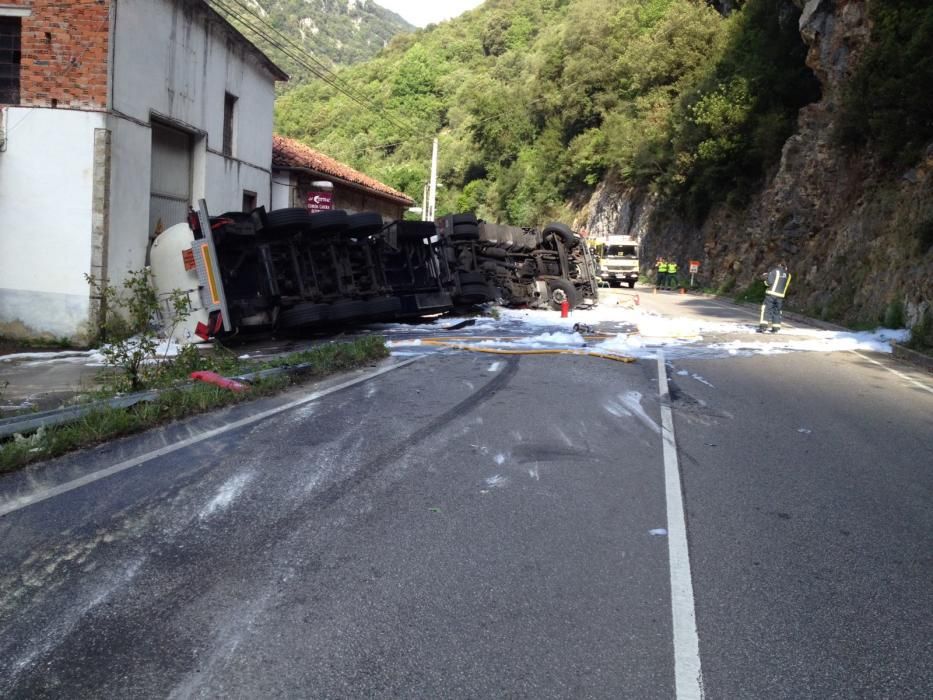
(423, 12)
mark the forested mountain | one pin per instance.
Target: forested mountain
(537, 100)
(339, 32)
(731, 131)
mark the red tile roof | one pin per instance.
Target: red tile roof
(288, 153)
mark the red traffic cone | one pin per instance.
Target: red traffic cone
(637, 300)
(564, 309)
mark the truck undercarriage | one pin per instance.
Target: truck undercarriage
(288, 270)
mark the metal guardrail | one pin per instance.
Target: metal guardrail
(68, 414)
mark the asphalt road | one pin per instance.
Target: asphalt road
(473, 525)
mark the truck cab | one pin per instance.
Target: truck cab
(618, 261)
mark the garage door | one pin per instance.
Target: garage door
(170, 192)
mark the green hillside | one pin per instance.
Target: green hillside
(339, 32)
(536, 101)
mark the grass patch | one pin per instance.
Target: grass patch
(754, 293)
(179, 401)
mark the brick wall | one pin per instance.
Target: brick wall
(64, 53)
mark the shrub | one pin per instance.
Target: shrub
(894, 315)
(755, 292)
(921, 334)
(888, 104)
(132, 323)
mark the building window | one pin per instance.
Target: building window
(10, 33)
(249, 200)
(229, 122)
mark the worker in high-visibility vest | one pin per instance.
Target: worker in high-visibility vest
(661, 279)
(671, 275)
(777, 280)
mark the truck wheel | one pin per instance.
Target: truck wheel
(465, 232)
(363, 225)
(285, 222)
(474, 293)
(303, 314)
(567, 237)
(560, 291)
(414, 230)
(464, 219)
(324, 222)
(631, 285)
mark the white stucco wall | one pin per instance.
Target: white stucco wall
(283, 187)
(46, 191)
(173, 65)
(195, 65)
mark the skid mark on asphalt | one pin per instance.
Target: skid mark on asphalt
(226, 495)
(389, 456)
(67, 620)
(628, 405)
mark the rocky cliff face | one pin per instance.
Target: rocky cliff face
(854, 235)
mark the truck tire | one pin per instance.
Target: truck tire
(363, 225)
(294, 217)
(327, 222)
(465, 232)
(496, 253)
(566, 236)
(464, 219)
(631, 285)
(303, 314)
(474, 294)
(560, 291)
(414, 230)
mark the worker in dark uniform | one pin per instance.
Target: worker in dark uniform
(777, 280)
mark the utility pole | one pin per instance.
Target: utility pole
(424, 202)
(432, 194)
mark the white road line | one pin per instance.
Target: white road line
(894, 371)
(16, 504)
(688, 674)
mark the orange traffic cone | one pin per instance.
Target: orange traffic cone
(564, 309)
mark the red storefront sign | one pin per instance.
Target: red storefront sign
(319, 200)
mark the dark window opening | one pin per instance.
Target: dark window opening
(249, 200)
(10, 54)
(229, 110)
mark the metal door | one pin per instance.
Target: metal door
(170, 191)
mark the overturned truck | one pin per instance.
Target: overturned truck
(287, 270)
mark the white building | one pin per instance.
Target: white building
(116, 116)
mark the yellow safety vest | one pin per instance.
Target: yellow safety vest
(662, 267)
(672, 267)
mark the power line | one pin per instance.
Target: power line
(300, 55)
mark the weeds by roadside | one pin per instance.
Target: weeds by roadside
(133, 323)
(179, 400)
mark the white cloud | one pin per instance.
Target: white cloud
(424, 12)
